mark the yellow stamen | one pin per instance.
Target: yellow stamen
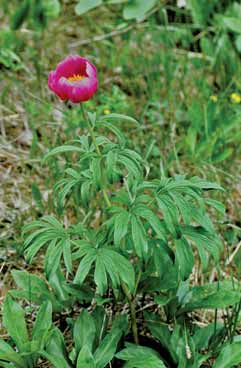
(76, 78)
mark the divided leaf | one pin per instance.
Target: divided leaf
(139, 236)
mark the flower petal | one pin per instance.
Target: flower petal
(74, 89)
(78, 91)
(91, 70)
(71, 65)
(52, 80)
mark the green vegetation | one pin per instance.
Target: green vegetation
(120, 222)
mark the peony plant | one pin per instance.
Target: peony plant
(129, 255)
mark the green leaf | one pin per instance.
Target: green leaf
(85, 358)
(153, 220)
(8, 354)
(163, 299)
(53, 257)
(121, 226)
(14, 322)
(119, 117)
(100, 276)
(56, 349)
(32, 284)
(64, 187)
(238, 43)
(137, 9)
(57, 361)
(51, 8)
(62, 149)
(66, 245)
(140, 357)
(62, 290)
(118, 268)
(229, 356)
(232, 23)
(201, 10)
(139, 236)
(210, 296)
(197, 11)
(84, 6)
(130, 164)
(158, 330)
(203, 240)
(107, 348)
(96, 172)
(203, 335)
(37, 195)
(111, 165)
(50, 231)
(204, 184)
(183, 205)
(184, 257)
(84, 267)
(101, 323)
(42, 324)
(84, 331)
(170, 213)
(38, 14)
(111, 269)
(21, 15)
(219, 206)
(86, 192)
(114, 130)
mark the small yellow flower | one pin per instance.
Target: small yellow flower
(106, 111)
(235, 98)
(214, 98)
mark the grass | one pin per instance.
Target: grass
(146, 70)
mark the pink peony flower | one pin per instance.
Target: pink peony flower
(74, 79)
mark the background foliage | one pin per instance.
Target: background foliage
(175, 68)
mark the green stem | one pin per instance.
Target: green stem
(237, 312)
(90, 129)
(92, 134)
(131, 302)
(137, 281)
(130, 299)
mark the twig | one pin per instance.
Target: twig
(117, 32)
(104, 36)
(231, 257)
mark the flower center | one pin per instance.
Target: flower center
(76, 78)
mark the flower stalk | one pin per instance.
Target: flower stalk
(92, 134)
(132, 306)
(130, 298)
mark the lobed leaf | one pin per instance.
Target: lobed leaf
(62, 149)
(139, 236)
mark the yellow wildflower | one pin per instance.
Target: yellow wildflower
(235, 98)
(214, 98)
(106, 111)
